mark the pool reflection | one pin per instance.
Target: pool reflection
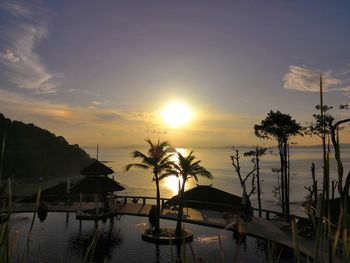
(96, 245)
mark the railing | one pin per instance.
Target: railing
(124, 199)
(135, 199)
(271, 215)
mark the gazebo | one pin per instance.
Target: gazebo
(97, 183)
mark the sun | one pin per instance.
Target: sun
(176, 114)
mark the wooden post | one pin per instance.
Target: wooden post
(143, 200)
(67, 218)
(68, 185)
(80, 200)
(96, 206)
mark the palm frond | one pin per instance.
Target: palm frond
(166, 159)
(138, 154)
(194, 176)
(166, 174)
(204, 173)
(136, 165)
(196, 164)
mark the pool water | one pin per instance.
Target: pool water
(61, 238)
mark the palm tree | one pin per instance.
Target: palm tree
(186, 168)
(159, 161)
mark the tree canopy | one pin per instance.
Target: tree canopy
(33, 152)
(278, 126)
(322, 124)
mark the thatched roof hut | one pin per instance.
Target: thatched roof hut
(96, 168)
(96, 185)
(56, 192)
(208, 197)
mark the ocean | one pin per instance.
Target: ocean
(218, 162)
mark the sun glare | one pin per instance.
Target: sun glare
(172, 182)
(176, 114)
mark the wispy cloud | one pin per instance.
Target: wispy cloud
(26, 28)
(9, 56)
(113, 126)
(17, 8)
(307, 79)
(45, 112)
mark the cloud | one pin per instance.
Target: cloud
(17, 8)
(308, 80)
(26, 28)
(49, 114)
(116, 127)
(9, 56)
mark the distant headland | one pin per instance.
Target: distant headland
(30, 152)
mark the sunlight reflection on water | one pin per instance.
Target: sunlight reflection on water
(217, 161)
(172, 183)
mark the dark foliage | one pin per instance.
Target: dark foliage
(280, 127)
(321, 122)
(32, 152)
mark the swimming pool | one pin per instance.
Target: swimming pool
(62, 238)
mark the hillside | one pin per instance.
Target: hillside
(31, 152)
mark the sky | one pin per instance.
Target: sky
(102, 72)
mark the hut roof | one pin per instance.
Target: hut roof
(96, 168)
(60, 188)
(96, 185)
(201, 195)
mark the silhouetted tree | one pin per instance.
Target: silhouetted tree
(322, 124)
(159, 161)
(311, 197)
(186, 168)
(280, 127)
(256, 154)
(342, 189)
(235, 158)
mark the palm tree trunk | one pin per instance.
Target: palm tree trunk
(156, 226)
(180, 211)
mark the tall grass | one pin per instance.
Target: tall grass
(5, 228)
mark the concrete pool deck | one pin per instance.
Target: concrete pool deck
(258, 227)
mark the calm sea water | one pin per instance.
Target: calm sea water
(60, 238)
(218, 162)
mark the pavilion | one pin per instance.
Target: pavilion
(98, 184)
